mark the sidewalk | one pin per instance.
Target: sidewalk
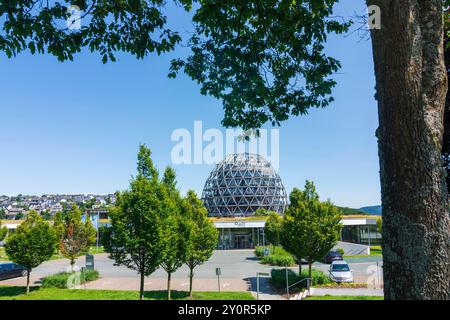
(346, 292)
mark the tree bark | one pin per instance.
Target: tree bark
(310, 262)
(141, 288)
(411, 86)
(446, 141)
(169, 276)
(28, 280)
(191, 276)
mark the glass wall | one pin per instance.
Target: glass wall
(240, 238)
(363, 234)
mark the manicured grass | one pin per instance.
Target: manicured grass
(344, 298)
(18, 293)
(92, 250)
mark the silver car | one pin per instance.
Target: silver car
(340, 271)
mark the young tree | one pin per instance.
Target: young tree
(136, 237)
(273, 229)
(411, 86)
(3, 231)
(176, 229)
(379, 225)
(311, 227)
(203, 236)
(32, 243)
(76, 236)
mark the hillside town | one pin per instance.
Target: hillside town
(17, 207)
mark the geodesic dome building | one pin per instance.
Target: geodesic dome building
(241, 184)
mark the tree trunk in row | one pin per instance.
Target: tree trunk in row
(411, 86)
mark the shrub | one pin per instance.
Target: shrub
(259, 251)
(340, 251)
(278, 279)
(277, 256)
(62, 279)
(279, 260)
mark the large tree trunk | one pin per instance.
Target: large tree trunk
(446, 144)
(411, 85)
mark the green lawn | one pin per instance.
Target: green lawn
(18, 293)
(344, 298)
(93, 250)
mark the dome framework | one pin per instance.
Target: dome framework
(241, 184)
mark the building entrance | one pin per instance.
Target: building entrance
(241, 241)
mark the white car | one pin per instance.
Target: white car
(340, 271)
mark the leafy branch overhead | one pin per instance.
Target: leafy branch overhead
(132, 26)
(264, 59)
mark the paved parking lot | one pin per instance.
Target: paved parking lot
(238, 267)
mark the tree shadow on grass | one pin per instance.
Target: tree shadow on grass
(162, 294)
(13, 291)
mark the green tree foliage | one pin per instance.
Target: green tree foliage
(311, 227)
(136, 236)
(176, 230)
(19, 216)
(46, 215)
(379, 225)
(75, 236)
(136, 27)
(203, 235)
(2, 214)
(262, 212)
(3, 231)
(273, 229)
(264, 59)
(32, 243)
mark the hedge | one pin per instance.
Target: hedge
(278, 260)
(278, 278)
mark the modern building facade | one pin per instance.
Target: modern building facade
(236, 188)
(241, 184)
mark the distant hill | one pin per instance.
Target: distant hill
(348, 211)
(369, 210)
(372, 210)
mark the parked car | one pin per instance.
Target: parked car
(332, 256)
(10, 270)
(340, 271)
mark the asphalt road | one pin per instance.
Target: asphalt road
(234, 264)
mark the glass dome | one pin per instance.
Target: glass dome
(241, 184)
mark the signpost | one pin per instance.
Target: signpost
(90, 261)
(258, 274)
(218, 273)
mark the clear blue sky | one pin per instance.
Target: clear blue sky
(75, 127)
